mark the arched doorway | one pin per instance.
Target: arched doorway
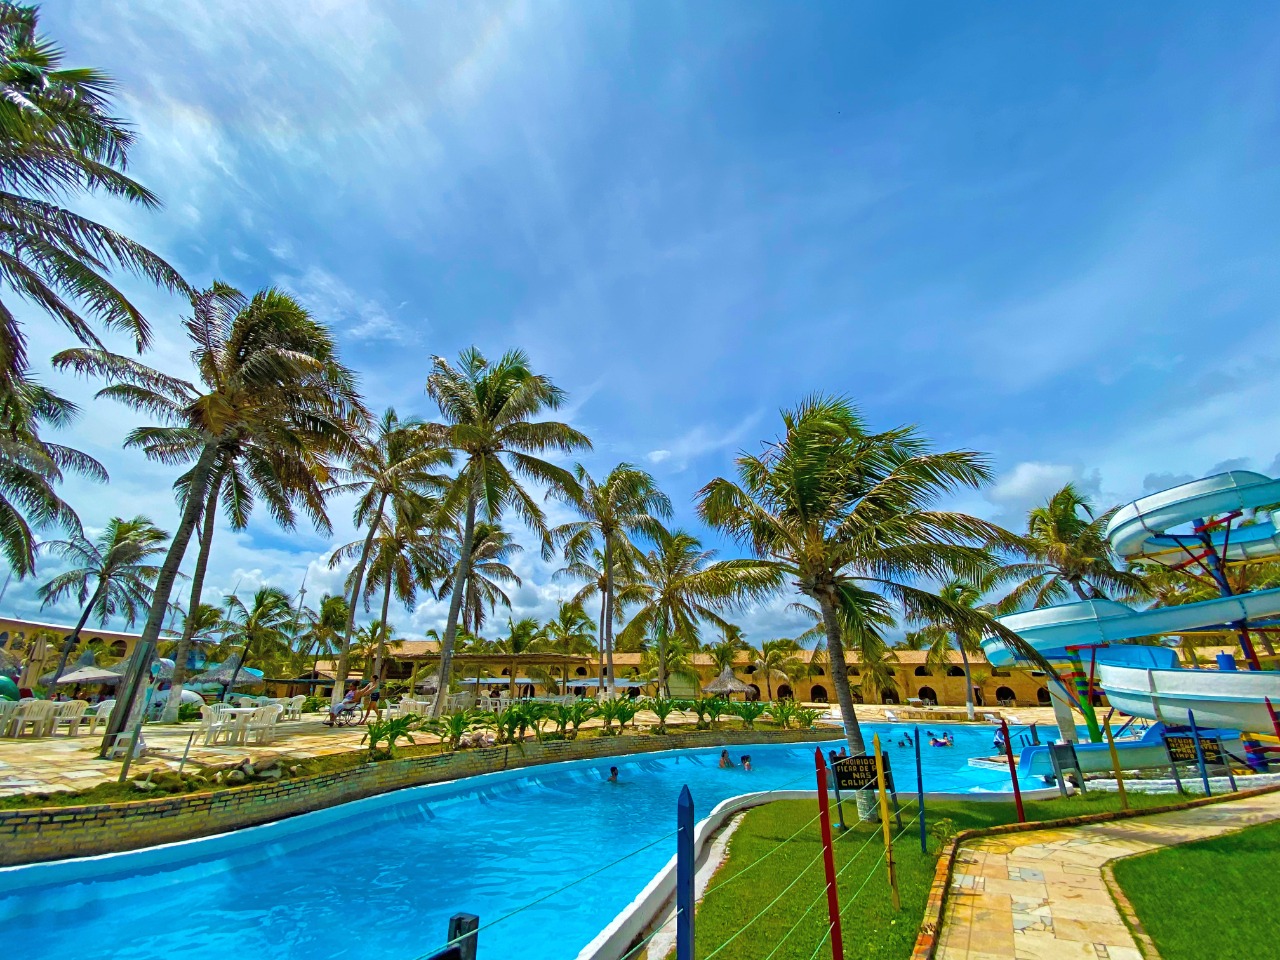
(1005, 695)
(928, 695)
(579, 691)
(755, 692)
(818, 694)
(784, 692)
(1042, 696)
(890, 697)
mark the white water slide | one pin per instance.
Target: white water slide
(1148, 529)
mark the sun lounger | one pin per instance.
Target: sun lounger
(891, 716)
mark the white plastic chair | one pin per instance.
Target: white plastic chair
(8, 710)
(891, 716)
(262, 724)
(100, 715)
(70, 714)
(40, 715)
(212, 722)
(294, 710)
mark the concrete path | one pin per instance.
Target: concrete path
(1041, 896)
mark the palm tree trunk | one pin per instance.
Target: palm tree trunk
(382, 635)
(1079, 590)
(840, 674)
(193, 604)
(608, 614)
(70, 643)
(129, 706)
(600, 634)
(455, 603)
(968, 681)
(344, 652)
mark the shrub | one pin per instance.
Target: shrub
(188, 711)
(716, 708)
(389, 732)
(805, 718)
(663, 707)
(314, 703)
(782, 713)
(452, 727)
(748, 712)
(621, 709)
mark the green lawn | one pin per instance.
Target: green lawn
(1209, 899)
(872, 929)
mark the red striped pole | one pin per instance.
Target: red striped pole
(828, 858)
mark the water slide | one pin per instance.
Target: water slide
(1147, 529)
(1146, 751)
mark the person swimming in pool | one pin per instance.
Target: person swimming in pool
(746, 763)
(613, 775)
(726, 761)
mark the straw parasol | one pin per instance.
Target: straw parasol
(727, 684)
(221, 674)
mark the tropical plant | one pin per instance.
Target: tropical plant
(848, 516)
(322, 631)
(269, 378)
(1066, 556)
(701, 708)
(659, 663)
(805, 718)
(663, 707)
(678, 585)
(487, 575)
(117, 566)
(782, 712)
(489, 418)
(261, 631)
(778, 658)
(392, 464)
(748, 711)
(621, 710)
(580, 711)
(390, 731)
(524, 636)
(943, 635)
(627, 505)
(452, 727)
(717, 707)
(570, 633)
(724, 653)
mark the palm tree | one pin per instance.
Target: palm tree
(678, 584)
(847, 515)
(261, 631)
(116, 564)
(523, 636)
(628, 504)
(671, 658)
(491, 551)
(406, 556)
(941, 633)
(203, 627)
(1066, 553)
(395, 461)
(724, 653)
(778, 658)
(322, 634)
(489, 413)
(570, 633)
(269, 377)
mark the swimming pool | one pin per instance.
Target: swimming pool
(378, 879)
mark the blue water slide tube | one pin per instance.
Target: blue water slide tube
(1141, 529)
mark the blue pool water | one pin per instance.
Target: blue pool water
(379, 878)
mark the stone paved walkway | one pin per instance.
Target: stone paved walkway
(1041, 896)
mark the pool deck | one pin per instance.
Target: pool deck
(64, 762)
(1042, 895)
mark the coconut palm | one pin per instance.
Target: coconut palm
(659, 662)
(260, 632)
(204, 627)
(570, 632)
(627, 505)
(59, 140)
(848, 516)
(394, 461)
(322, 630)
(942, 634)
(523, 636)
(679, 584)
(1066, 552)
(489, 571)
(268, 377)
(725, 653)
(489, 416)
(116, 564)
(778, 658)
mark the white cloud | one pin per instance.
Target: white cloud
(658, 456)
(334, 302)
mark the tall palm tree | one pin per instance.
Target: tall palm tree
(724, 653)
(627, 505)
(203, 627)
(523, 636)
(659, 662)
(941, 633)
(117, 566)
(570, 632)
(678, 585)
(407, 555)
(778, 658)
(489, 416)
(1066, 552)
(261, 630)
(268, 376)
(394, 461)
(848, 516)
(489, 571)
(321, 635)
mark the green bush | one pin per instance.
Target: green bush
(748, 712)
(188, 711)
(313, 703)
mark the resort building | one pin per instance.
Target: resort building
(35, 646)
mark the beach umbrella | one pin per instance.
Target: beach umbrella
(222, 674)
(90, 675)
(726, 684)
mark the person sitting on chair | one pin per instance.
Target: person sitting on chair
(347, 702)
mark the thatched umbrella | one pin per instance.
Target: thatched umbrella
(727, 684)
(223, 674)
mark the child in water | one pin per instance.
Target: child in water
(746, 762)
(613, 775)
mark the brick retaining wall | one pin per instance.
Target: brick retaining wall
(55, 833)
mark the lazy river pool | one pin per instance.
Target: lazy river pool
(378, 879)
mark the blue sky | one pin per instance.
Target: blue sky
(1041, 231)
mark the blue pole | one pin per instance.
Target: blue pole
(924, 846)
(1204, 772)
(684, 875)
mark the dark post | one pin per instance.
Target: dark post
(835, 783)
(828, 859)
(924, 846)
(1013, 769)
(684, 875)
(1204, 771)
(464, 934)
